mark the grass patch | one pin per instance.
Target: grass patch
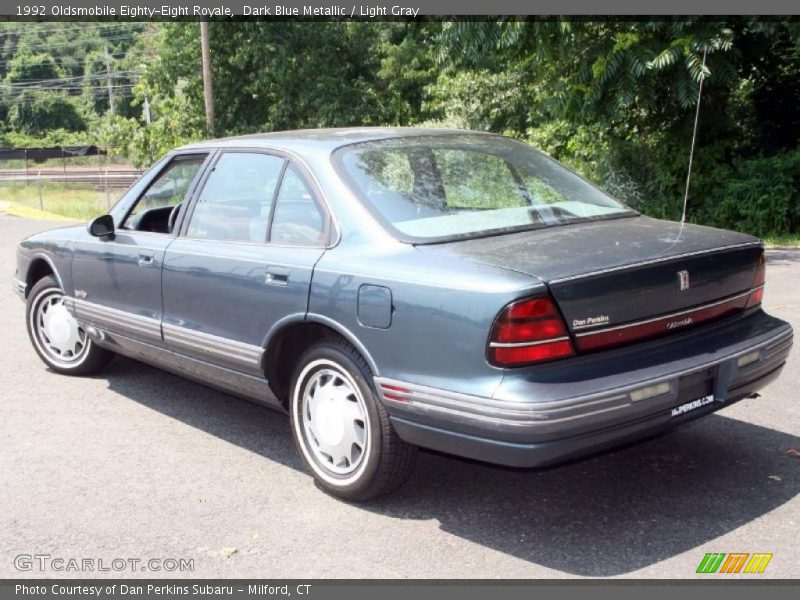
(72, 200)
(783, 241)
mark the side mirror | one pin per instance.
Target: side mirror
(102, 227)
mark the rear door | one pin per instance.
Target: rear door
(243, 261)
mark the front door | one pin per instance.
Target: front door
(244, 260)
(118, 279)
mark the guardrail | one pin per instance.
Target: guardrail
(101, 178)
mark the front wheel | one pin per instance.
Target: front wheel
(59, 340)
(340, 427)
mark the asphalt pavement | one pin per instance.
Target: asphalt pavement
(135, 463)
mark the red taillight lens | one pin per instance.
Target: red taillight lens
(520, 355)
(535, 308)
(525, 331)
(758, 283)
(761, 271)
(755, 298)
(529, 331)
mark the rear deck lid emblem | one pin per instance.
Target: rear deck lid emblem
(683, 280)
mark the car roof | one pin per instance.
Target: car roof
(326, 140)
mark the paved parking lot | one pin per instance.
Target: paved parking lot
(137, 463)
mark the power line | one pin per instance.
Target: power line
(86, 42)
(118, 85)
(61, 60)
(21, 83)
(66, 87)
(122, 91)
(120, 94)
(17, 92)
(107, 60)
(77, 27)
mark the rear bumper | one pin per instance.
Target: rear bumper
(548, 415)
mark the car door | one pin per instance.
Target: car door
(117, 279)
(225, 282)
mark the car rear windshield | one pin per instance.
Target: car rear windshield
(443, 187)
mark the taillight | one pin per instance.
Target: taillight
(758, 282)
(528, 331)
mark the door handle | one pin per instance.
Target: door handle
(145, 258)
(277, 276)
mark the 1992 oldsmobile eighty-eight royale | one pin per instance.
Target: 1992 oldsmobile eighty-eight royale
(397, 288)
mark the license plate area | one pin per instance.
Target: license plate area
(694, 391)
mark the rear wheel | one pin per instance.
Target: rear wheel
(340, 427)
(59, 340)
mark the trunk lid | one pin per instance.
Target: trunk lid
(621, 271)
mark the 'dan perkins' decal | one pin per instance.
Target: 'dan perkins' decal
(590, 321)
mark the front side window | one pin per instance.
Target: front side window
(236, 200)
(153, 209)
(298, 220)
(434, 188)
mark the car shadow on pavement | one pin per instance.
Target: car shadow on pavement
(611, 514)
(614, 513)
(782, 256)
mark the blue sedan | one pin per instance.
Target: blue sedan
(397, 288)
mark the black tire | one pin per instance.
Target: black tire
(87, 360)
(385, 461)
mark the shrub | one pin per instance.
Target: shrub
(730, 189)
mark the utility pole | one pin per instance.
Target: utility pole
(107, 59)
(148, 114)
(207, 87)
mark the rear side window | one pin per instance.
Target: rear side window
(299, 219)
(236, 201)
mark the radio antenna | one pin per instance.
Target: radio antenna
(694, 136)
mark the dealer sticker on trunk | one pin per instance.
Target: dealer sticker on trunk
(690, 406)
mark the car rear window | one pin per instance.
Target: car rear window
(433, 188)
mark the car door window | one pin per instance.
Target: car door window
(152, 210)
(299, 219)
(237, 198)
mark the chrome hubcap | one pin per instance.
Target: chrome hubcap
(58, 332)
(334, 421)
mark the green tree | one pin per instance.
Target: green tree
(284, 75)
(55, 77)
